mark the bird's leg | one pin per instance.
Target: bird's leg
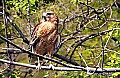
(30, 56)
(46, 61)
(38, 65)
(32, 43)
(51, 66)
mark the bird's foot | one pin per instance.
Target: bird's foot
(38, 66)
(51, 67)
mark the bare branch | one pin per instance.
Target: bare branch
(75, 68)
(41, 56)
(86, 38)
(42, 67)
(19, 31)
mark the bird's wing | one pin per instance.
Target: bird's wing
(36, 28)
(45, 28)
(34, 33)
(42, 29)
(57, 42)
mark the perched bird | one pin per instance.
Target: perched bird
(45, 36)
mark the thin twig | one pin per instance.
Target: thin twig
(87, 38)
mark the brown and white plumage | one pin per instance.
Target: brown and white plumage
(45, 36)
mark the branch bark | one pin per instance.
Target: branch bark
(88, 69)
(42, 67)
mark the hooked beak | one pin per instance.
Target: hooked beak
(44, 16)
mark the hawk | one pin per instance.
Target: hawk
(45, 36)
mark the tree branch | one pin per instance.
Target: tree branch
(41, 56)
(42, 67)
(88, 37)
(88, 69)
(19, 31)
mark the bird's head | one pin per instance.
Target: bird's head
(50, 16)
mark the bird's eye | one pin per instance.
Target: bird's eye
(49, 13)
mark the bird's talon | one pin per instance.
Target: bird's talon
(51, 66)
(38, 66)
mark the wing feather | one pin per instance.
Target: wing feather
(45, 28)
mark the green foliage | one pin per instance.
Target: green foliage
(71, 74)
(21, 6)
(90, 49)
(48, 1)
(1, 76)
(115, 75)
(13, 74)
